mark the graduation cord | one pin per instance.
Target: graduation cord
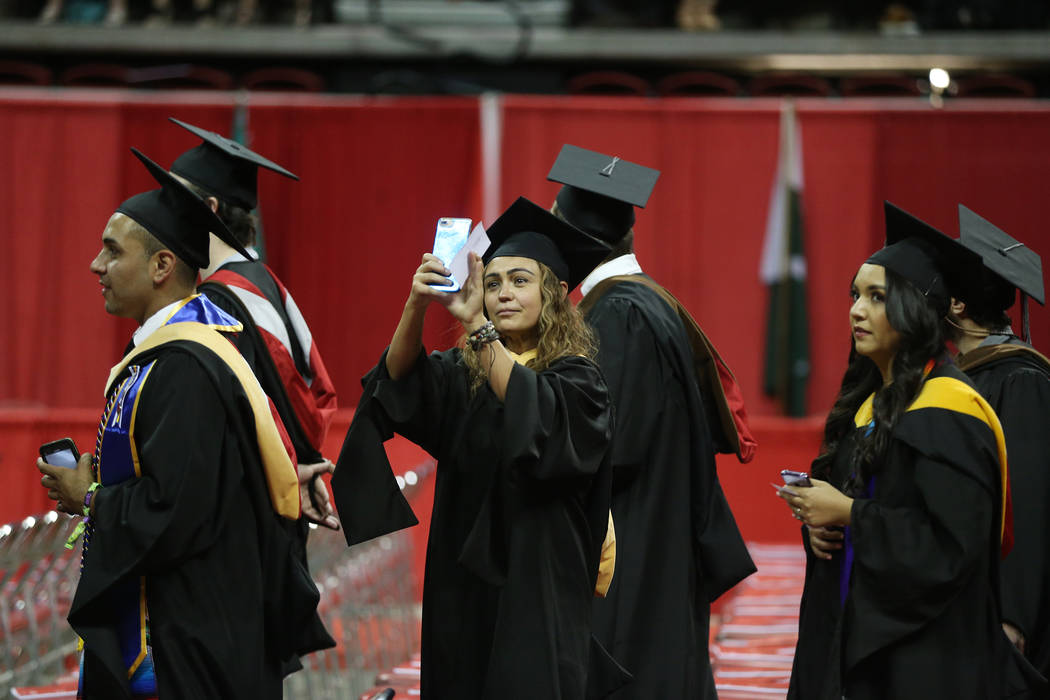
(1024, 319)
(85, 527)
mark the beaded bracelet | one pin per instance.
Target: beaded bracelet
(482, 336)
(87, 498)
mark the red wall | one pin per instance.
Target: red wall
(377, 172)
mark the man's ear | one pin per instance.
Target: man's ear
(958, 308)
(213, 203)
(162, 266)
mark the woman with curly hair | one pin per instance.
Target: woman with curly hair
(519, 420)
(905, 518)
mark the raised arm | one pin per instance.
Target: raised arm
(408, 337)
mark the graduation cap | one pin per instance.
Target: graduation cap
(1009, 263)
(600, 191)
(223, 167)
(1002, 254)
(935, 263)
(177, 217)
(527, 230)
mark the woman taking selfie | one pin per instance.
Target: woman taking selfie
(905, 516)
(520, 421)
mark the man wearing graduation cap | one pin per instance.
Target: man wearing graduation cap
(189, 587)
(1015, 380)
(276, 340)
(678, 546)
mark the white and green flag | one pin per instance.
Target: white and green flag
(783, 270)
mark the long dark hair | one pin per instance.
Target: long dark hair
(923, 332)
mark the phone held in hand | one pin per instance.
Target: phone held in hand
(793, 478)
(451, 235)
(60, 453)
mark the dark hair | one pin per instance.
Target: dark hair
(923, 333)
(241, 222)
(151, 245)
(987, 302)
(621, 247)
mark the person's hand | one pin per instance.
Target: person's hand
(818, 505)
(466, 305)
(431, 271)
(823, 541)
(67, 487)
(1014, 635)
(313, 494)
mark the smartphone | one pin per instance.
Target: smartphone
(793, 478)
(451, 235)
(60, 453)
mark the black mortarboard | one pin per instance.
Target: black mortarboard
(1016, 263)
(223, 167)
(933, 262)
(527, 230)
(177, 217)
(600, 191)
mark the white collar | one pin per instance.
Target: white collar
(155, 321)
(623, 265)
(233, 257)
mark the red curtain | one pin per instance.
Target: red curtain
(701, 233)
(377, 173)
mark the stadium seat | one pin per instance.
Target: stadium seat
(697, 84)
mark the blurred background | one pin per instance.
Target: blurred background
(397, 112)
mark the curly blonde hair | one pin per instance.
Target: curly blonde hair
(562, 331)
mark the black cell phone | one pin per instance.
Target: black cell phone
(793, 478)
(60, 453)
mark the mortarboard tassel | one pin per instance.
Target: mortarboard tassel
(1024, 319)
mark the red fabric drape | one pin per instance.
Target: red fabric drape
(377, 173)
(701, 233)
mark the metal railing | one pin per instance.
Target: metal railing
(368, 603)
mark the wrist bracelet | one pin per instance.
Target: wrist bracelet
(482, 336)
(87, 497)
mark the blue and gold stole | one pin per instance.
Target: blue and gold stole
(116, 461)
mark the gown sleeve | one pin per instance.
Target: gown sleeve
(1024, 573)
(556, 423)
(910, 561)
(417, 406)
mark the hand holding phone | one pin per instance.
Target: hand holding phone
(60, 453)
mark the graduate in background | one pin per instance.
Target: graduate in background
(276, 340)
(189, 587)
(519, 421)
(1015, 380)
(678, 546)
(909, 606)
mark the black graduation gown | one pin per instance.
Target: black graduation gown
(1017, 385)
(921, 619)
(520, 512)
(820, 609)
(226, 599)
(677, 544)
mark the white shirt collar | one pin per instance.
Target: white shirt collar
(232, 258)
(155, 321)
(623, 265)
